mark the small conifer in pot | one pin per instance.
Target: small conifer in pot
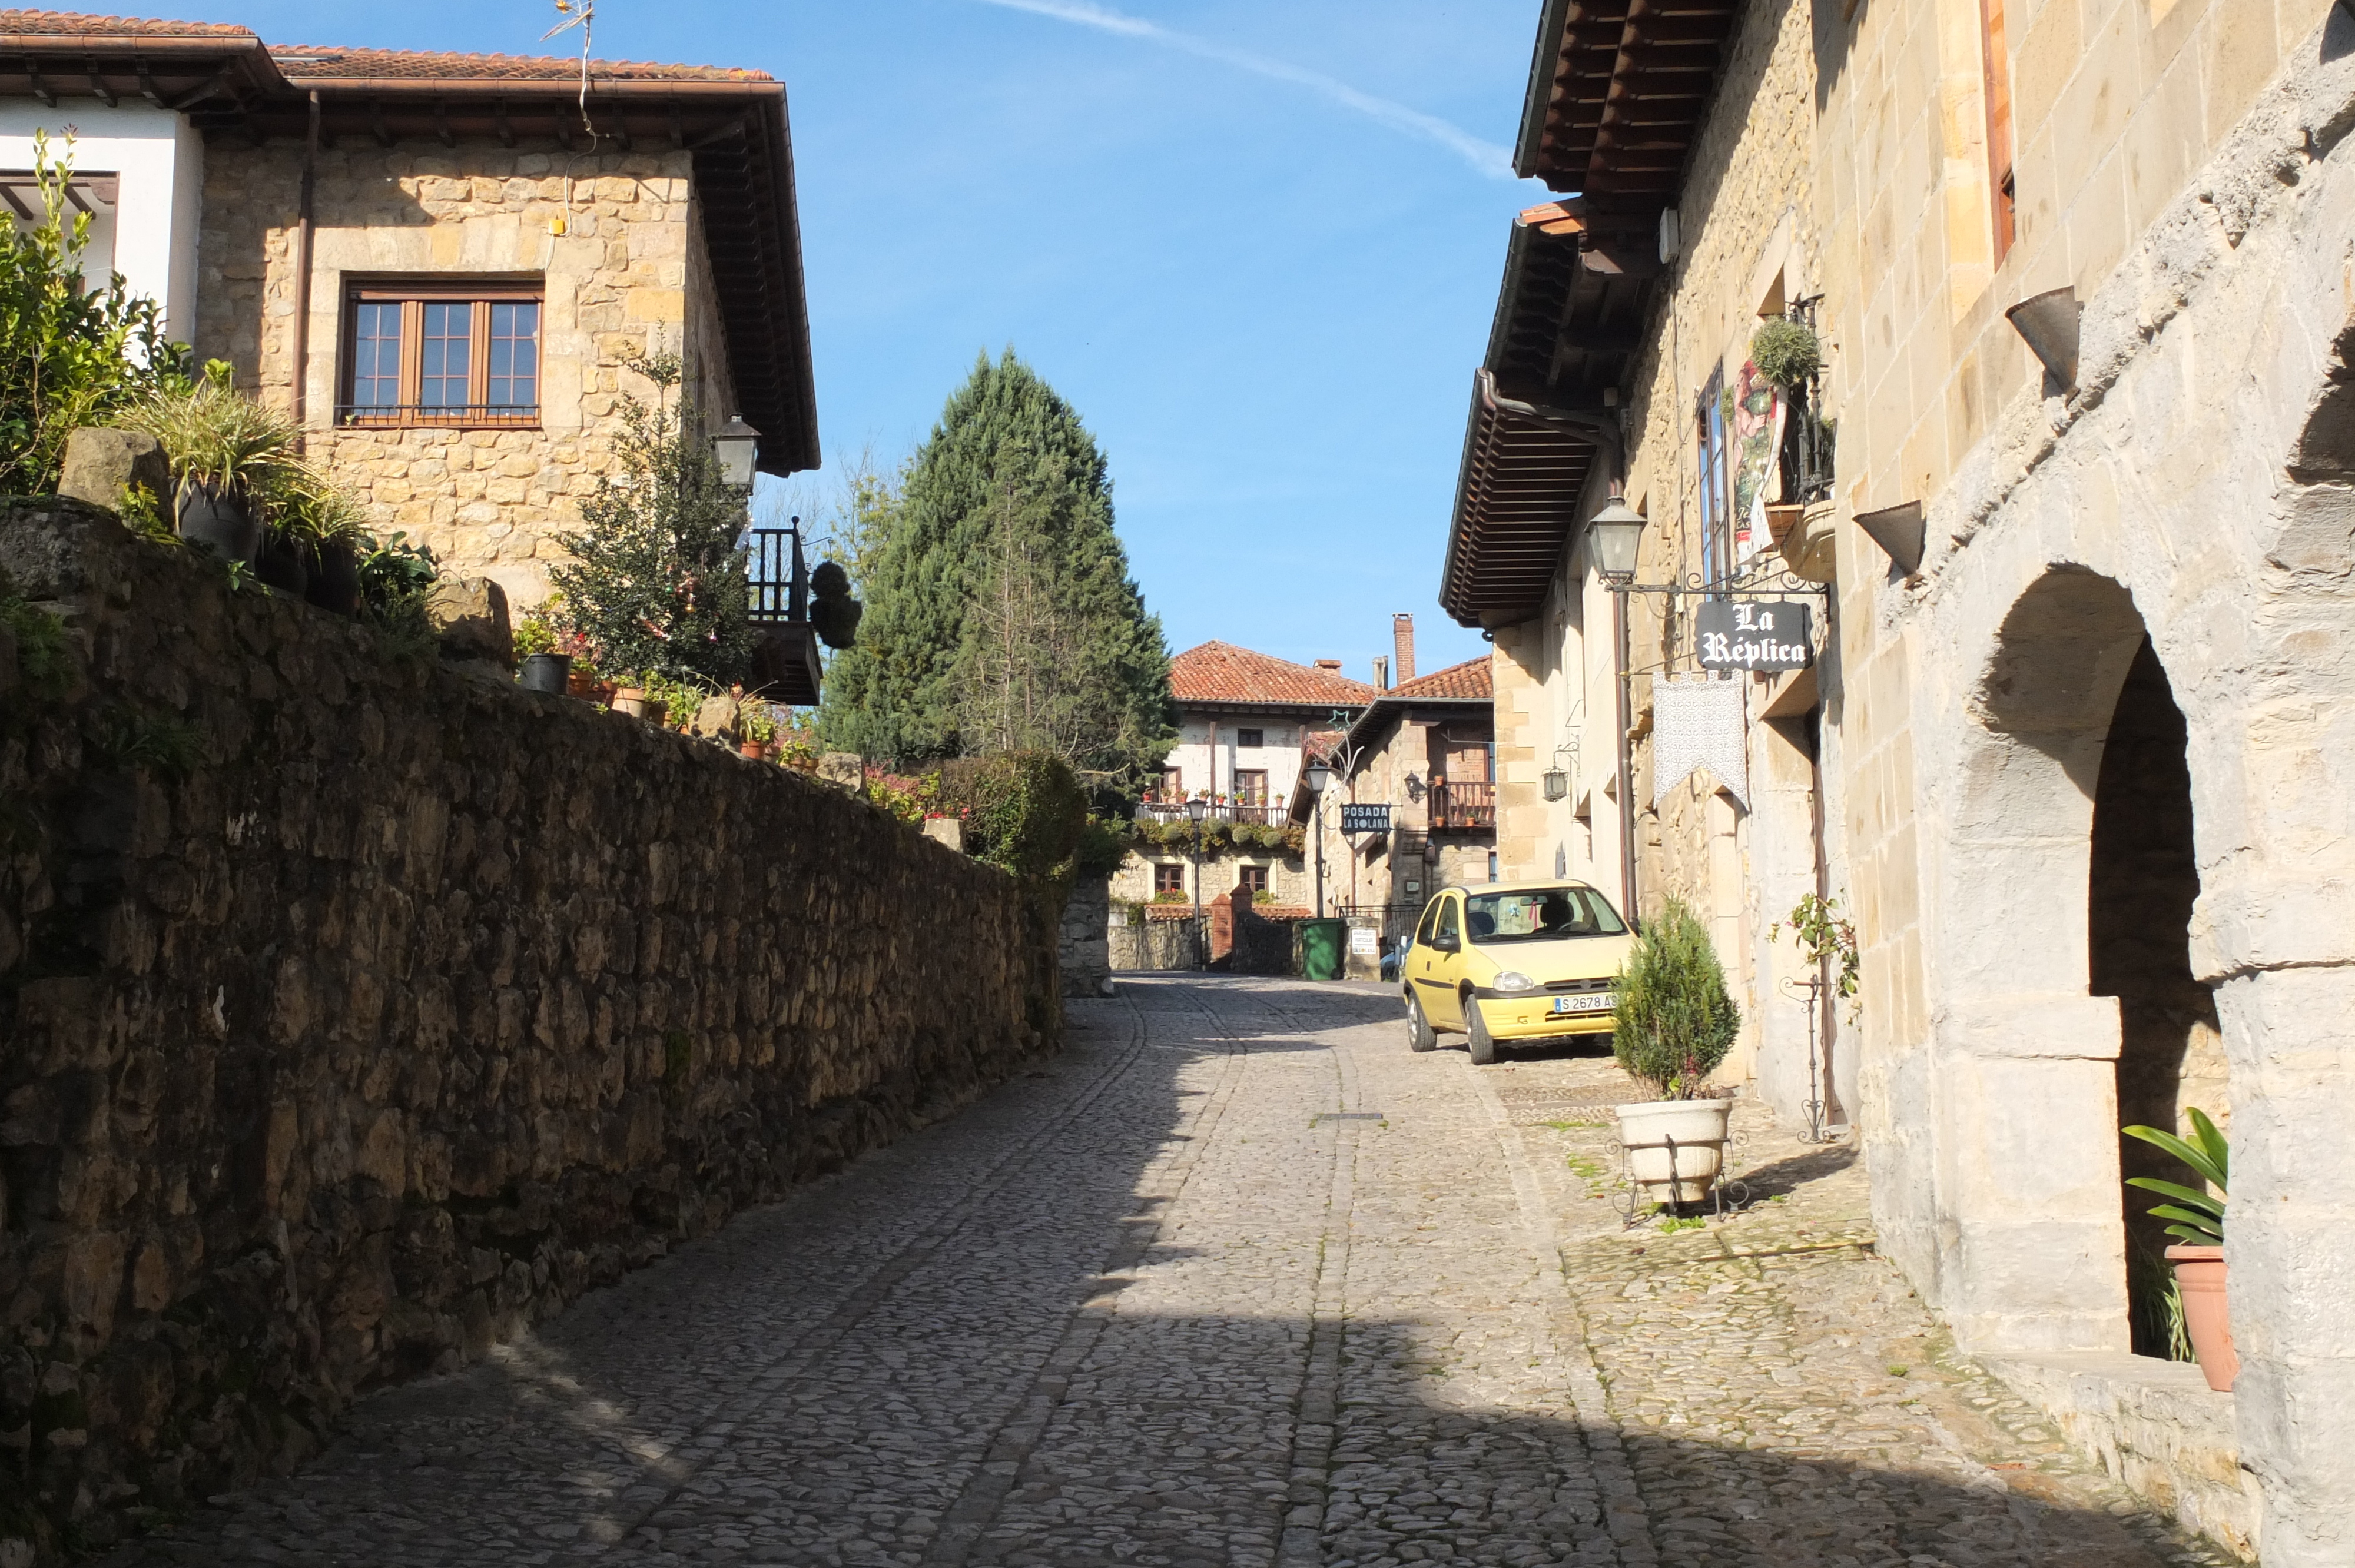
(1675, 1021)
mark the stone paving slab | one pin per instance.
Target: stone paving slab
(1238, 1279)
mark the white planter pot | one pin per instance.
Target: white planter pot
(1675, 1148)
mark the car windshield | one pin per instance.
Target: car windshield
(1540, 914)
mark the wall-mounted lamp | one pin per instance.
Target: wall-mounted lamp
(1900, 532)
(1318, 774)
(1613, 536)
(1554, 784)
(2048, 323)
(736, 444)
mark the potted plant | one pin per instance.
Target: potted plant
(226, 450)
(1675, 1022)
(760, 731)
(321, 526)
(2197, 1223)
(542, 668)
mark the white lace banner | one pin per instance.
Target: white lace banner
(1699, 723)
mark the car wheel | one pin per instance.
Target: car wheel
(1484, 1044)
(1418, 1033)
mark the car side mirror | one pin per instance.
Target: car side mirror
(1445, 945)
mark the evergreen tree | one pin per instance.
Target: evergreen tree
(1000, 615)
(656, 579)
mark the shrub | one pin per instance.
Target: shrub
(1675, 1021)
(1023, 810)
(1101, 849)
(657, 578)
(69, 357)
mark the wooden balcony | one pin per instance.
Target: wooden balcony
(1462, 808)
(1216, 812)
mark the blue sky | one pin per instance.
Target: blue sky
(1256, 245)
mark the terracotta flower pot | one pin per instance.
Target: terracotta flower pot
(2199, 1278)
(1675, 1148)
(751, 748)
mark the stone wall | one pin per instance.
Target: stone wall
(359, 1012)
(1136, 942)
(627, 276)
(1084, 949)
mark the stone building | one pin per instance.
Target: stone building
(442, 265)
(1243, 720)
(2067, 744)
(1425, 747)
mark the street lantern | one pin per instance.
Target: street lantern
(1613, 535)
(1198, 808)
(1555, 784)
(736, 444)
(1318, 774)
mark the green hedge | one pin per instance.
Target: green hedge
(1023, 810)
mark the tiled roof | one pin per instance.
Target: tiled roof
(301, 62)
(325, 62)
(1222, 673)
(75, 24)
(1470, 681)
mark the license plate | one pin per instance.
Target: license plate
(1593, 1002)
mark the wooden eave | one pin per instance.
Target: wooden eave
(736, 132)
(1515, 504)
(1618, 90)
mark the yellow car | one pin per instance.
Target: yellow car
(1520, 961)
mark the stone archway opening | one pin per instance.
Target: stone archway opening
(2141, 885)
(2028, 1074)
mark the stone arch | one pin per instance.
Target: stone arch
(2025, 1090)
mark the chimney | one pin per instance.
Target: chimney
(1402, 644)
(1381, 672)
(1333, 664)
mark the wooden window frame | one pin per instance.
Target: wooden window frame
(1260, 787)
(1250, 739)
(1252, 878)
(1168, 876)
(2002, 191)
(414, 295)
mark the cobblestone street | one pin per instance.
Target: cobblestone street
(1235, 1279)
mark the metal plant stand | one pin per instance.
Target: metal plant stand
(1725, 1191)
(1811, 990)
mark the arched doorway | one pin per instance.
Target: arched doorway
(2028, 1074)
(2140, 888)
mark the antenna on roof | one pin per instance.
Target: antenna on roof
(580, 13)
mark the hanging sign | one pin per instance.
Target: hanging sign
(1366, 818)
(1763, 634)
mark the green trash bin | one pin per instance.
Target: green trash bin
(1321, 945)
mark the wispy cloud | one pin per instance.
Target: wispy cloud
(1486, 157)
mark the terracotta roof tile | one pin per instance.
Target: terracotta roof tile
(304, 62)
(325, 62)
(78, 24)
(1222, 673)
(1470, 680)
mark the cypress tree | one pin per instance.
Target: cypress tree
(1000, 614)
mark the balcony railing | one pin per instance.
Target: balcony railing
(438, 416)
(1462, 808)
(775, 576)
(1216, 812)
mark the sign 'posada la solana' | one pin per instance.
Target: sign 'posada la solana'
(1766, 635)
